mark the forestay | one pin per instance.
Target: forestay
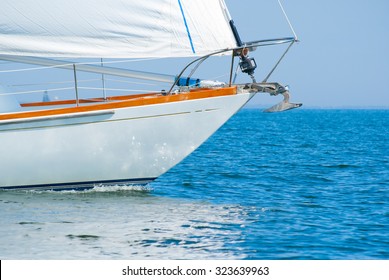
(114, 28)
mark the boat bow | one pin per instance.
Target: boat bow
(77, 139)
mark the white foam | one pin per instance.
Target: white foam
(116, 188)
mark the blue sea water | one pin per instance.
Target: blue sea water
(303, 184)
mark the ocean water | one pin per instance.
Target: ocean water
(303, 184)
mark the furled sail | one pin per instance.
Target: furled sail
(114, 28)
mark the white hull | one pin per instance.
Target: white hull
(132, 145)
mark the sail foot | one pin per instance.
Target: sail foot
(275, 89)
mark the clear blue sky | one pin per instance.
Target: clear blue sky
(343, 57)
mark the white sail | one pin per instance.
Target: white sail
(114, 28)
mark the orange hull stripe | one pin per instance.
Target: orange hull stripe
(82, 101)
(117, 102)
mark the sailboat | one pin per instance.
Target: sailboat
(118, 139)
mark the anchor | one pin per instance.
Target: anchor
(274, 89)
